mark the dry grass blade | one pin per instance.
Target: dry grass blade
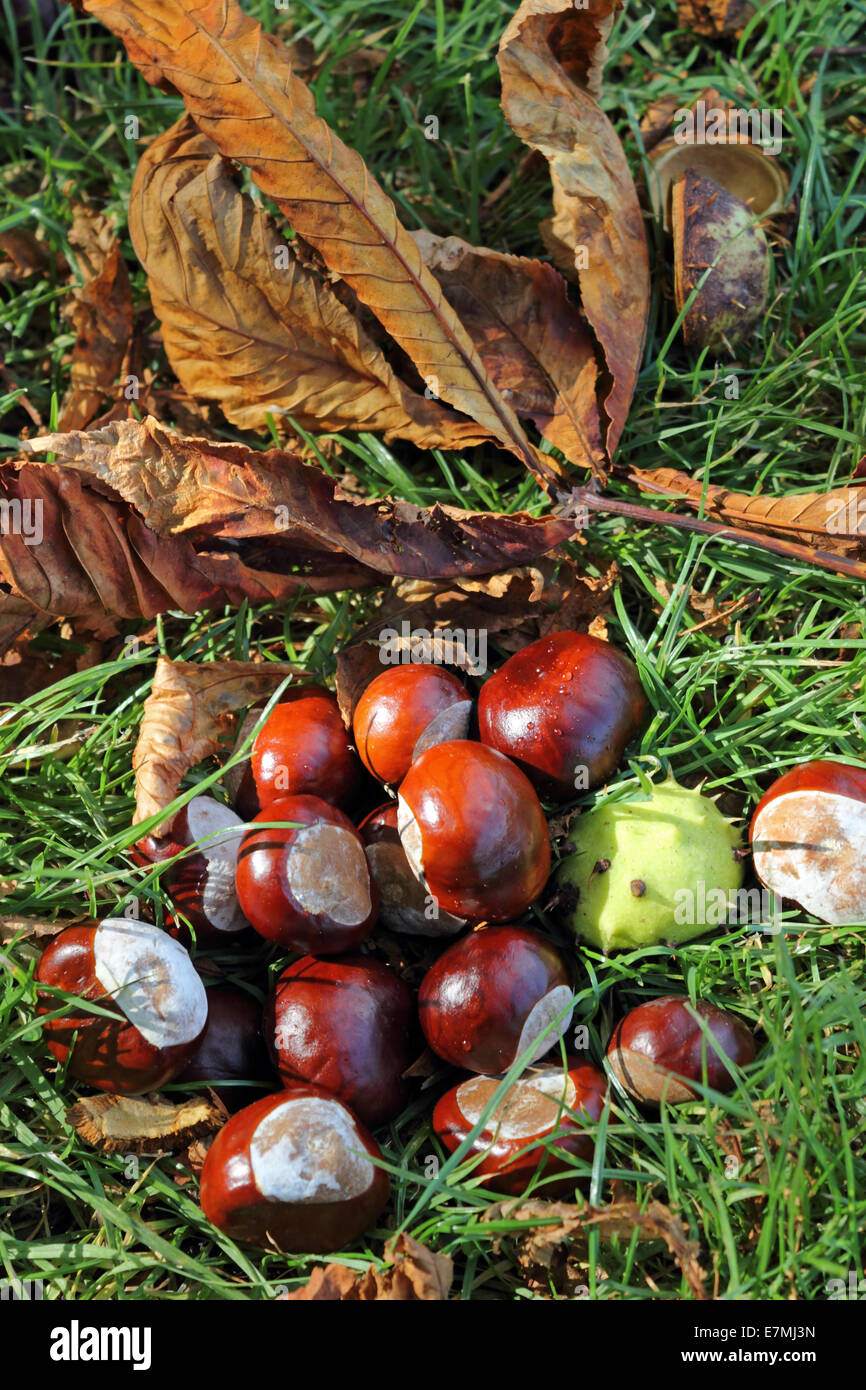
(249, 327)
(238, 86)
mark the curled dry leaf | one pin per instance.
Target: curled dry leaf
(142, 1124)
(531, 338)
(248, 326)
(23, 255)
(714, 17)
(416, 1274)
(550, 59)
(183, 485)
(237, 83)
(715, 231)
(94, 559)
(564, 1224)
(100, 312)
(189, 715)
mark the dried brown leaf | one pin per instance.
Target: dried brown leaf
(14, 928)
(550, 59)
(249, 327)
(189, 715)
(24, 255)
(100, 312)
(543, 1244)
(416, 1274)
(142, 1124)
(714, 17)
(531, 338)
(194, 487)
(237, 83)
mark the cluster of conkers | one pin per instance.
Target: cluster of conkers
(460, 850)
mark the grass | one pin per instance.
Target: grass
(735, 705)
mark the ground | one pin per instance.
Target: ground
(770, 1182)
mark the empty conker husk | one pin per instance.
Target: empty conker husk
(295, 1170)
(306, 885)
(533, 1114)
(657, 1051)
(564, 709)
(405, 711)
(404, 903)
(147, 979)
(201, 885)
(347, 1024)
(490, 996)
(808, 838)
(302, 749)
(474, 831)
(231, 1049)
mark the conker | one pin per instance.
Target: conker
(306, 885)
(294, 1170)
(808, 838)
(302, 749)
(231, 1048)
(405, 711)
(345, 1024)
(489, 997)
(534, 1109)
(657, 1051)
(474, 831)
(564, 709)
(201, 885)
(404, 903)
(144, 976)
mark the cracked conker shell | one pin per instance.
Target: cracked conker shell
(405, 711)
(490, 995)
(534, 1109)
(474, 831)
(294, 1170)
(564, 703)
(201, 885)
(231, 1048)
(808, 838)
(404, 903)
(307, 885)
(302, 749)
(147, 979)
(658, 1049)
(344, 1024)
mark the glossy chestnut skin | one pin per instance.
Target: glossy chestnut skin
(346, 1024)
(474, 831)
(512, 1140)
(201, 885)
(148, 979)
(263, 1183)
(306, 886)
(302, 749)
(565, 702)
(657, 1050)
(808, 839)
(490, 994)
(231, 1048)
(404, 711)
(404, 903)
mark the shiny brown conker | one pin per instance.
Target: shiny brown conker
(474, 831)
(346, 1024)
(404, 711)
(201, 884)
(490, 996)
(296, 1171)
(231, 1049)
(564, 709)
(302, 749)
(404, 903)
(530, 1131)
(658, 1050)
(148, 982)
(306, 884)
